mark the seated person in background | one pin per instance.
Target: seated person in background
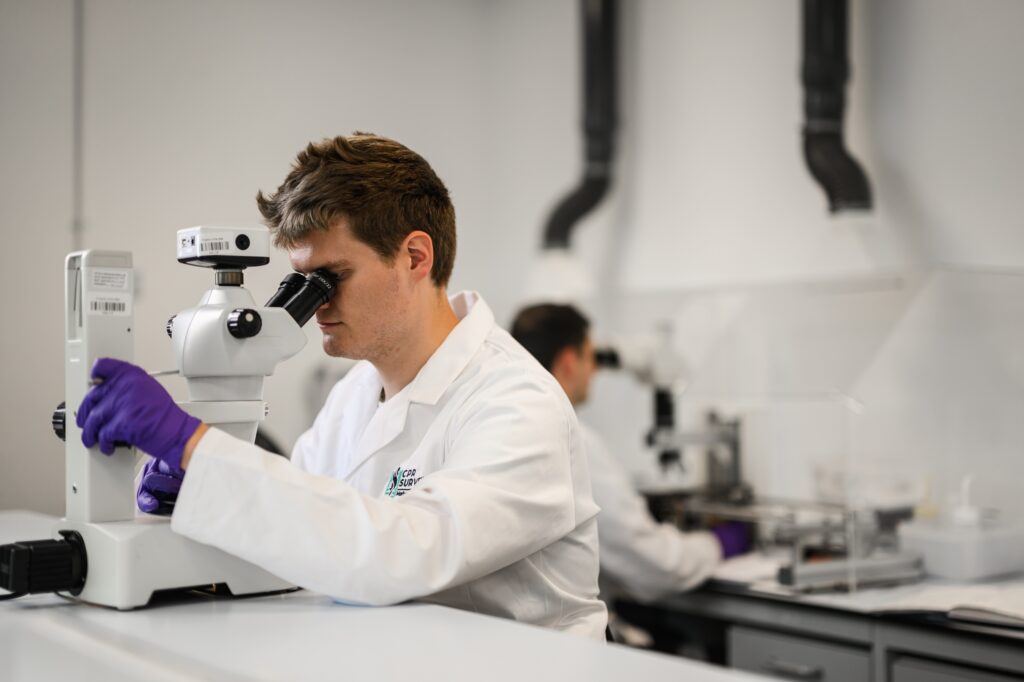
(645, 559)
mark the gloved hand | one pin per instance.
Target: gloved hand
(734, 537)
(132, 407)
(159, 487)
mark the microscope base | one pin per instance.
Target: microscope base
(130, 560)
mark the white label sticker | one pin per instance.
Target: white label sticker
(187, 245)
(214, 245)
(108, 304)
(110, 279)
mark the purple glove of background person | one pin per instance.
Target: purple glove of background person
(132, 407)
(734, 537)
(159, 487)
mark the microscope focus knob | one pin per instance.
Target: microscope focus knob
(244, 323)
(59, 420)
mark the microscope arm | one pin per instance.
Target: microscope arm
(205, 344)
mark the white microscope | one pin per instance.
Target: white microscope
(653, 360)
(108, 553)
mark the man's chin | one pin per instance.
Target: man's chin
(336, 350)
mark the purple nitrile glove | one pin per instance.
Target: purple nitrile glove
(158, 488)
(129, 406)
(734, 537)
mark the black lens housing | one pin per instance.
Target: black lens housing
(289, 285)
(607, 357)
(317, 289)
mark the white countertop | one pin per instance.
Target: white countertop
(298, 636)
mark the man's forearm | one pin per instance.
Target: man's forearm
(190, 446)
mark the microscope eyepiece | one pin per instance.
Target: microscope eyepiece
(289, 285)
(607, 357)
(316, 290)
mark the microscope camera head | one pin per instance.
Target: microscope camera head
(224, 248)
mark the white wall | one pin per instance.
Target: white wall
(714, 222)
(720, 229)
(35, 193)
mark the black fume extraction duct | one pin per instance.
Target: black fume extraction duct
(824, 73)
(599, 120)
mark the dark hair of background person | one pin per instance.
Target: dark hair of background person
(545, 329)
(384, 189)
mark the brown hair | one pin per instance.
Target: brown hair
(383, 188)
(546, 329)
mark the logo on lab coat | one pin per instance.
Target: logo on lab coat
(402, 480)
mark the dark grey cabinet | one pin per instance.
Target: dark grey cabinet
(790, 639)
(915, 669)
(796, 658)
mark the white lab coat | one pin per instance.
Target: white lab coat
(468, 488)
(640, 556)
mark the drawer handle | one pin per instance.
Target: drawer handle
(797, 671)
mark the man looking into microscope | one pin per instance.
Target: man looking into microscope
(446, 466)
(640, 557)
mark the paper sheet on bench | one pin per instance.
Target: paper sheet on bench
(1005, 599)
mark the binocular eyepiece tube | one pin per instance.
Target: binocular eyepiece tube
(301, 296)
(607, 358)
(289, 285)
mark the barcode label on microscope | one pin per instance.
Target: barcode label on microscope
(109, 306)
(214, 245)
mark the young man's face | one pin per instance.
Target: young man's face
(589, 366)
(363, 320)
(579, 372)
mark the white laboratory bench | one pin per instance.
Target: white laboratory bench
(298, 636)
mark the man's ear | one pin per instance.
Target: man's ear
(564, 364)
(419, 248)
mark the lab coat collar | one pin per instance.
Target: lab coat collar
(430, 383)
(455, 352)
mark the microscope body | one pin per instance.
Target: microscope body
(223, 347)
(654, 361)
(224, 375)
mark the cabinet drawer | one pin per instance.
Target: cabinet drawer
(789, 657)
(913, 669)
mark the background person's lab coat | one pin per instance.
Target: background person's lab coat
(468, 487)
(640, 556)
